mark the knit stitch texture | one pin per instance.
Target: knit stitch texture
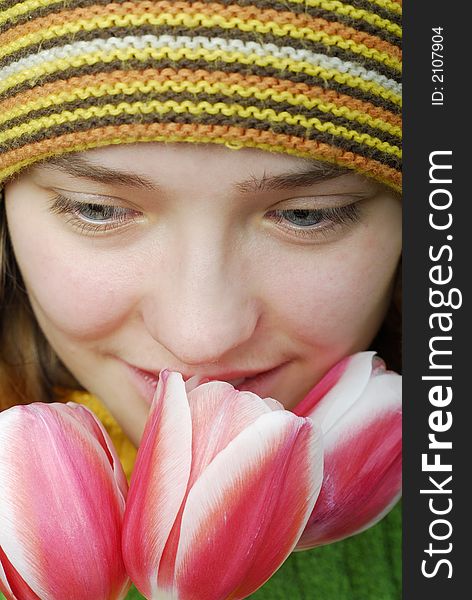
(312, 78)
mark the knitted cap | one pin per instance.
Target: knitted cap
(310, 78)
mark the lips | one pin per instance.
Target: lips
(260, 383)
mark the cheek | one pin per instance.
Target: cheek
(336, 298)
(77, 291)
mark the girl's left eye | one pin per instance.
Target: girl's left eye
(90, 217)
(304, 222)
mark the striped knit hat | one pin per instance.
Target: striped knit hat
(311, 78)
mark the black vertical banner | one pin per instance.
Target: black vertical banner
(437, 316)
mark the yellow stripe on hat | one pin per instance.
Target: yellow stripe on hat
(196, 108)
(131, 88)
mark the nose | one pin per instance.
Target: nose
(201, 304)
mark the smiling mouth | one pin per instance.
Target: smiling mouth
(261, 383)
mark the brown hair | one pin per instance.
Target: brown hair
(388, 342)
(29, 367)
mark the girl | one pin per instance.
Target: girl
(209, 187)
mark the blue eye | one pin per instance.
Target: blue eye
(302, 217)
(305, 222)
(93, 217)
(100, 213)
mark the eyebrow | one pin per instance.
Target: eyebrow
(78, 166)
(315, 172)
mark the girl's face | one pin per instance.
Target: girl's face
(240, 265)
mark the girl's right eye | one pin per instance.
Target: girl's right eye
(93, 217)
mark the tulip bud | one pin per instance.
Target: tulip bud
(358, 407)
(222, 488)
(62, 499)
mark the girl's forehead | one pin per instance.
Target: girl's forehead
(138, 154)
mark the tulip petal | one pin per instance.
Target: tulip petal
(231, 412)
(338, 389)
(4, 586)
(158, 483)
(248, 508)
(362, 465)
(11, 584)
(381, 397)
(61, 510)
(99, 432)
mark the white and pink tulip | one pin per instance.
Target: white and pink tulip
(62, 501)
(222, 489)
(358, 407)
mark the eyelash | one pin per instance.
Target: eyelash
(61, 205)
(334, 217)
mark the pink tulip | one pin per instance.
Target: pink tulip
(62, 499)
(222, 489)
(358, 407)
